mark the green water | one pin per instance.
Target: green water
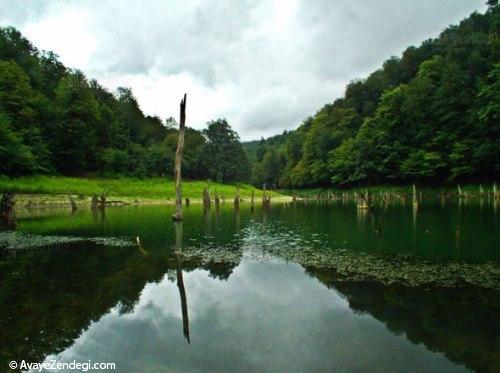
(152, 309)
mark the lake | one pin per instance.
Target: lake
(316, 286)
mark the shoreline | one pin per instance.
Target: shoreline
(42, 201)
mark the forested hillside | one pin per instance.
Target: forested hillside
(53, 120)
(429, 116)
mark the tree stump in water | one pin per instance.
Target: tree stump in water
(7, 213)
(94, 203)
(188, 202)
(74, 207)
(266, 200)
(364, 201)
(206, 200)
(237, 198)
(102, 202)
(217, 200)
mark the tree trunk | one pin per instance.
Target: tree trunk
(206, 200)
(102, 202)
(415, 198)
(237, 198)
(217, 200)
(7, 214)
(178, 161)
(94, 203)
(74, 207)
(266, 200)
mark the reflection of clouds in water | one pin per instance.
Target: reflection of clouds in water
(266, 316)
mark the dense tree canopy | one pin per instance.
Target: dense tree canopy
(430, 116)
(54, 120)
(224, 156)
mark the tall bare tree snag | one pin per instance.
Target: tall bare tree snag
(178, 160)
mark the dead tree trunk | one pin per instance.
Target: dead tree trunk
(178, 161)
(74, 207)
(7, 214)
(237, 198)
(252, 201)
(216, 200)
(206, 200)
(415, 198)
(102, 202)
(364, 201)
(266, 200)
(94, 202)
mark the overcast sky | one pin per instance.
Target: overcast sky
(263, 65)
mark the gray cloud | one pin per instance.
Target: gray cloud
(19, 12)
(354, 38)
(272, 62)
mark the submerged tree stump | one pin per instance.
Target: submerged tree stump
(252, 201)
(415, 198)
(94, 203)
(364, 201)
(178, 162)
(74, 207)
(216, 200)
(206, 200)
(266, 200)
(237, 198)
(102, 202)
(7, 213)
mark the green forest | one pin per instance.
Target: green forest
(53, 120)
(429, 116)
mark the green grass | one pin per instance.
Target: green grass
(155, 188)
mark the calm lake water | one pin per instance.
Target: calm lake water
(150, 309)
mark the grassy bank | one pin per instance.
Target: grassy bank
(157, 188)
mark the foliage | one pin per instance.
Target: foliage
(430, 116)
(54, 120)
(224, 158)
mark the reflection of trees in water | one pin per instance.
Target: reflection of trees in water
(461, 323)
(62, 294)
(51, 297)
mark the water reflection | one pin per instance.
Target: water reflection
(127, 305)
(180, 279)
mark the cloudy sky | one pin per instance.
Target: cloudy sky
(263, 65)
